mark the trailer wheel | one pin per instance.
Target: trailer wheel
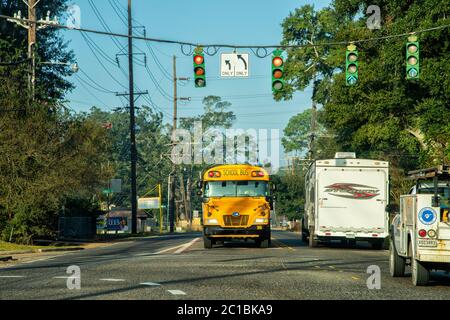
(304, 232)
(377, 245)
(207, 242)
(312, 241)
(396, 263)
(420, 274)
(304, 237)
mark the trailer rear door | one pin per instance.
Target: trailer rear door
(353, 198)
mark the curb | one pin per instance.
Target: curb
(17, 252)
(41, 250)
(58, 249)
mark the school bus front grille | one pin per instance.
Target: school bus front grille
(231, 221)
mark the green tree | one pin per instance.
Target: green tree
(47, 159)
(384, 116)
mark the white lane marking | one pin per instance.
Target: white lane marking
(12, 276)
(43, 259)
(152, 284)
(177, 292)
(113, 280)
(158, 252)
(186, 246)
(65, 277)
(180, 248)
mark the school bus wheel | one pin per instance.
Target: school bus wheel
(207, 242)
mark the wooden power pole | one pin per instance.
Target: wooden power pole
(173, 173)
(31, 46)
(132, 124)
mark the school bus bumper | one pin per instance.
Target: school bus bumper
(250, 232)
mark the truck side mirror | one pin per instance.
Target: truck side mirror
(392, 208)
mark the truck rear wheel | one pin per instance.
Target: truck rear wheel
(420, 274)
(396, 263)
(207, 242)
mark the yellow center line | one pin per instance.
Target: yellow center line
(355, 278)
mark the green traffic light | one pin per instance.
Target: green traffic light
(412, 58)
(351, 65)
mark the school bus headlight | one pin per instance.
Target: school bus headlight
(260, 220)
(212, 221)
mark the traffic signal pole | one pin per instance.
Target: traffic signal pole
(172, 175)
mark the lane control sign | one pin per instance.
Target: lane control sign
(234, 65)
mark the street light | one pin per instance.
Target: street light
(74, 66)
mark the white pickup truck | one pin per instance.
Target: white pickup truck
(420, 233)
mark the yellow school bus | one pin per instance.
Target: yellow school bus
(236, 204)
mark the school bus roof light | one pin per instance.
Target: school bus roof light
(213, 174)
(257, 174)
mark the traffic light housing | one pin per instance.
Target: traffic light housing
(199, 68)
(277, 71)
(412, 58)
(351, 65)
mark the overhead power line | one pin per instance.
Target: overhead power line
(226, 45)
(101, 63)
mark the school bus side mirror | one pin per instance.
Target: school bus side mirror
(270, 199)
(274, 187)
(199, 184)
(199, 193)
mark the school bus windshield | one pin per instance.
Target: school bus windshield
(236, 189)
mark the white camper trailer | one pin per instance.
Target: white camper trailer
(346, 200)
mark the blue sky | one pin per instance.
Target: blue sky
(201, 21)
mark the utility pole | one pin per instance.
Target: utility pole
(31, 25)
(172, 180)
(173, 172)
(311, 154)
(132, 125)
(31, 45)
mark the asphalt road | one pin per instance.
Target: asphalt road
(177, 267)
